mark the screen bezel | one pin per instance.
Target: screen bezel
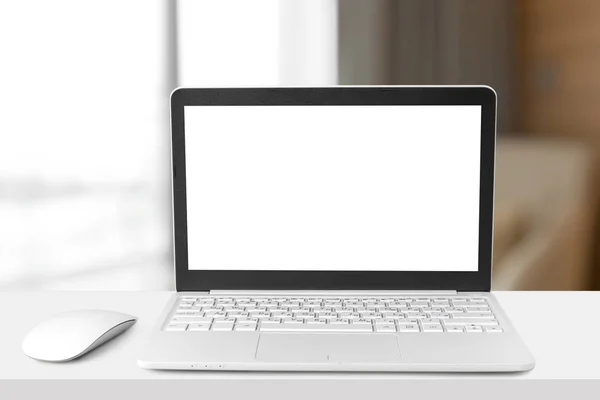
(203, 280)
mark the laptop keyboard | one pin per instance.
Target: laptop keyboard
(450, 314)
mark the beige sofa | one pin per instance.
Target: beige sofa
(544, 215)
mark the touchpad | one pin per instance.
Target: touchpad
(275, 347)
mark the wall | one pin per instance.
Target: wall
(365, 42)
(429, 42)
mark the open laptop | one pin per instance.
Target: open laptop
(334, 229)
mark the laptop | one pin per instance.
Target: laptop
(334, 229)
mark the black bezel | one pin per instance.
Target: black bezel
(203, 280)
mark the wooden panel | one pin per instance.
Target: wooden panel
(559, 80)
(559, 67)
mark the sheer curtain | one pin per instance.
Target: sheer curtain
(84, 143)
(84, 148)
(257, 43)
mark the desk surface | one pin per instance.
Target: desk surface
(562, 330)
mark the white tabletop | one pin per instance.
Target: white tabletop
(562, 330)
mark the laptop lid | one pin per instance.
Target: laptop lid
(338, 188)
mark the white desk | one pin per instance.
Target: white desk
(562, 330)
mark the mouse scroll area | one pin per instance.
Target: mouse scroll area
(112, 333)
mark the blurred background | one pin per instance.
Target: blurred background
(84, 119)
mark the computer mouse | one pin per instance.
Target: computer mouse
(72, 334)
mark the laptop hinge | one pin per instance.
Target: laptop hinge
(331, 292)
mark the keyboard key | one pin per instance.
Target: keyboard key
(462, 303)
(242, 299)
(468, 321)
(292, 321)
(271, 321)
(191, 320)
(454, 329)
(247, 320)
(261, 315)
(432, 328)
(252, 309)
(395, 316)
(386, 321)
(354, 303)
(222, 326)
(408, 328)
(198, 327)
(230, 308)
(237, 314)
(412, 321)
(176, 327)
(328, 315)
(353, 316)
(316, 321)
(224, 319)
(302, 316)
(428, 321)
(385, 328)
(339, 321)
(245, 327)
(473, 328)
(189, 312)
(483, 310)
(439, 315)
(215, 314)
(492, 329)
(225, 300)
(466, 304)
(477, 315)
(478, 299)
(212, 309)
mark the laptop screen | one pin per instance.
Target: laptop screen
(333, 188)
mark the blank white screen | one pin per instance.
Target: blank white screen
(377, 188)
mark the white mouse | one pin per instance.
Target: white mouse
(70, 335)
